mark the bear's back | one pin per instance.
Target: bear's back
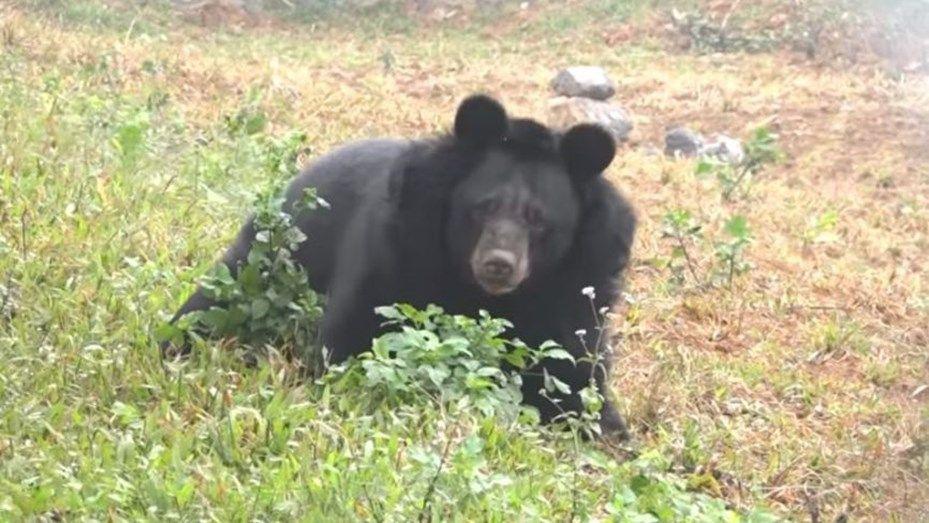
(351, 179)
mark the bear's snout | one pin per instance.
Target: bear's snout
(500, 261)
(499, 265)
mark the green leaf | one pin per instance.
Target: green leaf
(255, 123)
(168, 332)
(129, 139)
(552, 384)
(515, 359)
(489, 371)
(260, 308)
(250, 279)
(737, 227)
(704, 167)
(559, 354)
(216, 319)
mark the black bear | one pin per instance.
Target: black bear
(503, 214)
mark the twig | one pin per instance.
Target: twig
(22, 234)
(747, 168)
(577, 466)
(131, 28)
(378, 517)
(687, 258)
(432, 484)
(731, 271)
(732, 9)
(812, 506)
(820, 307)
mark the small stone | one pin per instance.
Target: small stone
(651, 150)
(724, 148)
(681, 142)
(567, 111)
(734, 407)
(584, 81)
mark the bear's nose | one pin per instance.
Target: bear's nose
(499, 266)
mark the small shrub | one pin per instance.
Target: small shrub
(250, 119)
(268, 301)
(760, 150)
(445, 360)
(682, 229)
(281, 155)
(730, 254)
(708, 35)
(820, 228)
(129, 138)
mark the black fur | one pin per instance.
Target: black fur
(402, 225)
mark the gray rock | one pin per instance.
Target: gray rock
(567, 111)
(584, 81)
(650, 150)
(681, 142)
(724, 148)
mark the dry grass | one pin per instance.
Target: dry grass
(804, 384)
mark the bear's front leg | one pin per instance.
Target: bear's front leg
(552, 404)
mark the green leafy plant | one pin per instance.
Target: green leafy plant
(708, 34)
(596, 352)
(250, 118)
(447, 360)
(281, 155)
(268, 300)
(129, 138)
(760, 150)
(730, 254)
(683, 230)
(820, 228)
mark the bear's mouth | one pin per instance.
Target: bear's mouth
(500, 260)
(496, 288)
(499, 271)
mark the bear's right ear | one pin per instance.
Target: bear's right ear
(480, 121)
(588, 149)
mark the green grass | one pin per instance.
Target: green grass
(94, 427)
(112, 202)
(132, 145)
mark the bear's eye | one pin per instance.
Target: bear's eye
(484, 209)
(535, 218)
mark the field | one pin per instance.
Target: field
(133, 141)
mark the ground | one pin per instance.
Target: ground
(802, 386)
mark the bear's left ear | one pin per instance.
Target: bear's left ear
(588, 150)
(480, 121)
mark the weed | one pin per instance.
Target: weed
(249, 119)
(760, 150)
(709, 35)
(684, 230)
(455, 361)
(96, 247)
(269, 299)
(835, 337)
(730, 254)
(820, 228)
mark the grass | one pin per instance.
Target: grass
(124, 170)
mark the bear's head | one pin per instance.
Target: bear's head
(513, 218)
